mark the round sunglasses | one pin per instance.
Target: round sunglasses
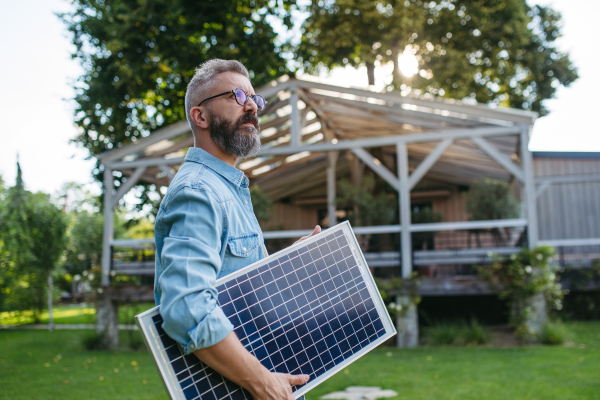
(241, 97)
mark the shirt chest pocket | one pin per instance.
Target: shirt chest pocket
(242, 250)
(243, 245)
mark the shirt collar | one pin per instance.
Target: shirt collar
(232, 174)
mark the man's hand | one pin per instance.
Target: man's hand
(232, 360)
(314, 232)
(279, 387)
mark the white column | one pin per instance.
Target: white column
(407, 324)
(404, 204)
(529, 183)
(332, 157)
(107, 236)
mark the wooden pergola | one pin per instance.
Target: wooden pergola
(308, 123)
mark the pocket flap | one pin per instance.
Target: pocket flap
(243, 245)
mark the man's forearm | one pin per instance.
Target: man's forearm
(233, 361)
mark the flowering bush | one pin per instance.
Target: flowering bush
(521, 277)
(406, 288)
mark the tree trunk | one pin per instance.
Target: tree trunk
(371, 72)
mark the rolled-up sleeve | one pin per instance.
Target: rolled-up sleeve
(191, 262)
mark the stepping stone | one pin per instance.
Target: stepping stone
(360, 393)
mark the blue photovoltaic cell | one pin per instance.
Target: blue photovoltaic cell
(305, 312)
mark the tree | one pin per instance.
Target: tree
(83, 251)
(492, 199)
(262, 204)
(501, 52)
(33, 232)
(138, 57)
(368, 203)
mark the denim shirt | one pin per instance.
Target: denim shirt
(204, 230)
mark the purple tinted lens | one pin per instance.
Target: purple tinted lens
(260, 101)
(240, 96)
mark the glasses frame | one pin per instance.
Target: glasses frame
(254, 97)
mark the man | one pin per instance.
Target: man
(206, 228)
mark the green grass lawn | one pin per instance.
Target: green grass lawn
(54, 365)
(73, 314)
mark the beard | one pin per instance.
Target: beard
(235, 138)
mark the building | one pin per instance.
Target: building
(428, 151)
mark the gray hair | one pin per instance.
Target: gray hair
(203, 81)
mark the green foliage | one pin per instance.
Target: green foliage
(457, 333)
(143, 229)
(138, 57)
(491, 199)
(92, 341)
(474, 333)
(522, 276)
(84, 250)
(424, 215)
(554, 333)
(583, 301)
(262, 204)
(33, 232)
(501, 52)
(390, 289)
(367, 203)
(443, 334)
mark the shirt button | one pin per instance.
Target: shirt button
(245, 201)
(244, 249)
(192, 346)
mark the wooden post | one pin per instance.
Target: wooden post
(107, 236)
(529, 183)
(407, 324)
(332, 157)
(107, 319)
(404, 204)
(295, 116)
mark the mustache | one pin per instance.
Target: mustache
(248, 117)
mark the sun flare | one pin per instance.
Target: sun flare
(408, 64)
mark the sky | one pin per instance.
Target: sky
(36, 117)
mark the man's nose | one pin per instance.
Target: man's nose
(251, 105)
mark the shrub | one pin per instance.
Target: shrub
(135, 340)
(474, 333)
(443, 333)
(554, 333)
(521, 277)
(447, 333)
(93, 341)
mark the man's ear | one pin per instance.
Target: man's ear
(199, 116)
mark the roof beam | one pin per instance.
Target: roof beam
(428, 162)
(378, 167)
(500, 158)
(167, 171)
(295, 128)
(127, 185)
(147, 162)
(392, 140)
(483, 111)
(165, 133)
(412, 117)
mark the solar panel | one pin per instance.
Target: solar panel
(312, 309)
